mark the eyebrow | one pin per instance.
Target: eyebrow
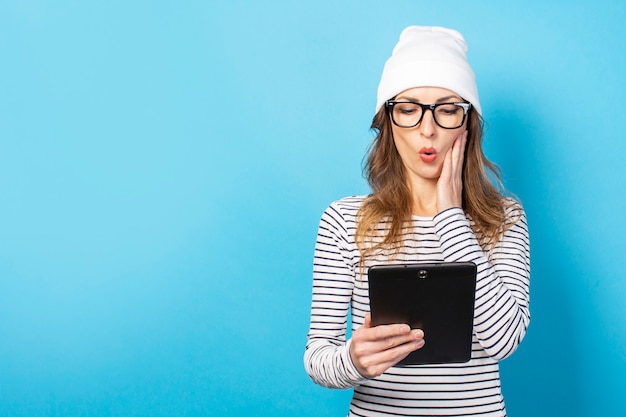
(439, 100)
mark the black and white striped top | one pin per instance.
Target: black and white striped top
(500, 319)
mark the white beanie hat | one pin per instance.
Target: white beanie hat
(428, 56)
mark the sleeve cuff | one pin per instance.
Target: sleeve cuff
(352, 373)
(458, 242)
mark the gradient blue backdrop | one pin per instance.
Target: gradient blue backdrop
(163, 167)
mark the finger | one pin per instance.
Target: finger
(389, 331)
(391, 357)
(375, 357)
(383, 336)
(367, 333)
(392, 341)
(462, 144)
(456, 160)
(458, 151)
(367, 322)
(446, 169)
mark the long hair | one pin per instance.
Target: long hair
(391, 199)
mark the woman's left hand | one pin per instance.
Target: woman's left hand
(450, 183)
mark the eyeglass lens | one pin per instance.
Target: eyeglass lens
(446, 115)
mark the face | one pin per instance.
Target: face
(424, 147)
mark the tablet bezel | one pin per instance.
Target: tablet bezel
(436, 297)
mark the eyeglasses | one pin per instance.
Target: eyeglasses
(409, 114)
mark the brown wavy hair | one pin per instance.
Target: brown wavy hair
(391, 199)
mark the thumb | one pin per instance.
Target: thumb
(367, 322)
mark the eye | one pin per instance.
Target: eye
(448, 109)
(407, 108)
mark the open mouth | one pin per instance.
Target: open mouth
(428, 154)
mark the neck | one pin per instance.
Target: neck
(424, 196)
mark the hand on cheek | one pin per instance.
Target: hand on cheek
(450, 183)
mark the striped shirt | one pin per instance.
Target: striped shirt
(501, 314)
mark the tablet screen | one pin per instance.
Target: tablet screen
(435, 297)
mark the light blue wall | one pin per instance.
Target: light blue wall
(163, 167)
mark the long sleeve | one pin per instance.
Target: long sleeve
(502, 313)
(327, 356)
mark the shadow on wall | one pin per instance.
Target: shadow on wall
(542, 377)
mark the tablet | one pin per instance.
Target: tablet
(435, 297)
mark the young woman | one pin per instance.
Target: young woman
(431, 201)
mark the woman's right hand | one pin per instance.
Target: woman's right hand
(376, 349)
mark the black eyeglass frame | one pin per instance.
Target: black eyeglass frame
(389, 104)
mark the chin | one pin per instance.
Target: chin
(431, 174)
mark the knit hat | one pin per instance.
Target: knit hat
(428, 56)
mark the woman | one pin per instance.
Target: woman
(431, 201)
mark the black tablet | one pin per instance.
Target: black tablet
(435, 297)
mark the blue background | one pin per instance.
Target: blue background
(163, 168)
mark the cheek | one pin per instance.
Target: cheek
(404, 141)
(446, 148)
(400, 143)
(446, 144)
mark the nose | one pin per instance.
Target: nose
(428, 126)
